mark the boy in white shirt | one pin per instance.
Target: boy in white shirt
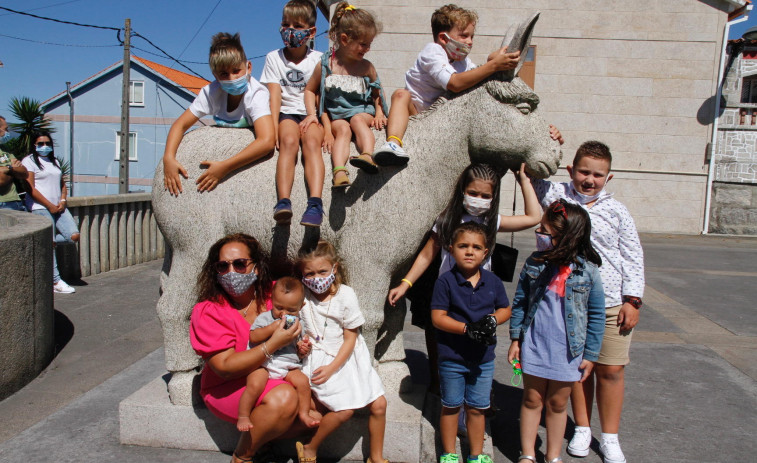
(286, 72)
(442, 65)
(614, 236)
(235, 99)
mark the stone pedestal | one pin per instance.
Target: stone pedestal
(148, 418)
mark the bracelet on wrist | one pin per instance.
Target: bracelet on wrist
(408, 282)
(265, 352)
(633, 300)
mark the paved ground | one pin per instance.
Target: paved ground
(691, 393)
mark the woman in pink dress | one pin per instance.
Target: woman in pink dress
(233, 288)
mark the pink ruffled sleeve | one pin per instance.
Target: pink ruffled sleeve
(212, 329)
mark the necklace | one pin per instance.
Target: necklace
(244, 312)
(318, 337)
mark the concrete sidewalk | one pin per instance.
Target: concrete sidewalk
(691, 386)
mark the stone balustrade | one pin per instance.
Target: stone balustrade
(116, 231)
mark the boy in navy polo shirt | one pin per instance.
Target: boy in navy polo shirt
(467, 305)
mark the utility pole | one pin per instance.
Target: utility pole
(123, 171)
(71, 139)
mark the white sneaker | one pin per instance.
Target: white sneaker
(391, 154)
(579, 445)
(63, 287)
(610, 450)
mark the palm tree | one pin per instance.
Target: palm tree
(32, 118)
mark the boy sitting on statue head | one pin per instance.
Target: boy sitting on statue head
(442, 65)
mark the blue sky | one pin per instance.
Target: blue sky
(41, 70)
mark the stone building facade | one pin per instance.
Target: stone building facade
(639, 75)
(734, 203)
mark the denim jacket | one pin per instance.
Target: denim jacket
(584, 304)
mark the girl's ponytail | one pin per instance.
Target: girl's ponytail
(353, 21)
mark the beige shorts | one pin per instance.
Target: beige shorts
(615, 343)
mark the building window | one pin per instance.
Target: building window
(749, 89)
(136, 93)
(132, 146)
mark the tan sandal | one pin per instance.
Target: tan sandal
(301, 458)
(371, 461)
(365, 163)
(236, 459)
(341, 177)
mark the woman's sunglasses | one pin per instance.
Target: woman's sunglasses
(239, 265)
(44, 143)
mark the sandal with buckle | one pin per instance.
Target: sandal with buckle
(371, 461)
(527, 457)
(236, 459)
(554, 460)
(301, 458)
(365, 163)
(344, 182)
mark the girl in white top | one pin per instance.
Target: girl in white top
(339, 366)
(234, 99)
(48, 198)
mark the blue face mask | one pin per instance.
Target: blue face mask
(294, 38)
(44, 150)
(5, 138)
(236, 86)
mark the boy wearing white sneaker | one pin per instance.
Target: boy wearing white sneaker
(442, 65)
(614, 236)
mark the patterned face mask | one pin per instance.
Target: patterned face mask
(235, 284)
(294, 38)
(543, 241)
(455, 49)
(320, 285)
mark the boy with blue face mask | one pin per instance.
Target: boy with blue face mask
(286, 72)
(614, 236)
(234, 99)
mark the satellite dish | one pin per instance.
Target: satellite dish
(750, 34)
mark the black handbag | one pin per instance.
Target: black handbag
(504, 259)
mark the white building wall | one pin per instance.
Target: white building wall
(638, 75)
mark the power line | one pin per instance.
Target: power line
(60, 20)
(200, 28)
(47, 6)
(137, 34)
(164, 57)
(59, 44)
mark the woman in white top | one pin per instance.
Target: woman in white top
(48, 198)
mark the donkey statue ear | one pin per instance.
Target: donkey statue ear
(517, 38)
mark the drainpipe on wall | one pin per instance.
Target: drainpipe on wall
(711, 170)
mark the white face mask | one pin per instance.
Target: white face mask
(455, 49)
(586, 199)
(476, 206)
(320, 285)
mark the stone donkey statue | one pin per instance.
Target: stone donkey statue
(376, 224)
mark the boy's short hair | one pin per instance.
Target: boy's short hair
(593, 149)
(449, 16)
(470, 227)
(303, 10)
(288, 285)
(226, 51)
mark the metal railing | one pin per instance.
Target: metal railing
(116, 231)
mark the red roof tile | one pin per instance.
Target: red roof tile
(182, 79)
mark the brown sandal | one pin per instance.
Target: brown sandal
(371, 461)
(236, 459)
(343, 176)
(365, 163)
(301, 458)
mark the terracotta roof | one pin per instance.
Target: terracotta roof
(182, 79)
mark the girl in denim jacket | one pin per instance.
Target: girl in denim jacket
(557, 323)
